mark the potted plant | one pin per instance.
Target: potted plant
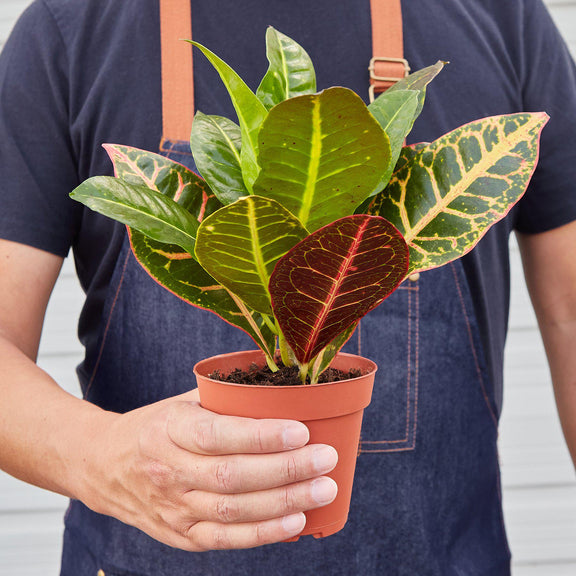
(308, 213)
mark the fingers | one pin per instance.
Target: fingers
(197, 430)
(190, 396)
(252, 472)
(213, 482)
(214, 536)
(264, 505)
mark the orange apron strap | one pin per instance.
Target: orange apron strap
(387, 65)
(177, 76)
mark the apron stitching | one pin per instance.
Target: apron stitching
(471, 340)
(416, 367)
(166, 145)
(108, 322)
(408, 355)
(169, 145)
(409, 361)
(487, 401)
(416, 290)
(387, 450)
(416, 379)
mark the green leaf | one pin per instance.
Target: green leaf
(216, 143)
(418, 81)
(321, 155)
(445, 196)
(182, 275)
(140, 207)
(168, 264)
(332, 278)
(291, 72)
(251, 113)
(165, 176)
(325, 357)
(241, 243)
(395, 112)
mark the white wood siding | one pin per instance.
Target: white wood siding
(538, 477)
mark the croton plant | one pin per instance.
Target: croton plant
(310, 211)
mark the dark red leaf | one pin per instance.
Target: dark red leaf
(333, 277)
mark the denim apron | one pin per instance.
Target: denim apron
(426, 499)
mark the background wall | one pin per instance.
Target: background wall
(538, 478)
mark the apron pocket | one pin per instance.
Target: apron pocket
(389, 336)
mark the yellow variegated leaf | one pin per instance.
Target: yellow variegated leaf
(444, 196)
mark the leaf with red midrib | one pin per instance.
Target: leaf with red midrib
(333, 277)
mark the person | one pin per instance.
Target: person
(160, 486)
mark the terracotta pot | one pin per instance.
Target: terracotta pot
(332, 412)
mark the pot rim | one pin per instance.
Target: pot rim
(373, 367)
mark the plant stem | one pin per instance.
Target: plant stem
(303, 373)
(284, 350)
(246, 313)
(271, 364)
(273, 327)
(315, 372)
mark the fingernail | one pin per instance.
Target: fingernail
(295, 435)
(325, 459)
(324, 490)
(294, 523)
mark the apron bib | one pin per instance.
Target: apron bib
(426, 498)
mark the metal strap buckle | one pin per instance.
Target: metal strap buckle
(392, 79)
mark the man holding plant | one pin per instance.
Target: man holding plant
(141, 451)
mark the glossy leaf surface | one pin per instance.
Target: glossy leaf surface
(140, 207)
(251, 113)
(321, 155)
(325, 357)
(170, 265)
(397, 109)
(418, 81)
(241, 243)
(216, 143)
(444, 196)
(182, 275)
(165, 176)
(291, 72)
(395, 112)
(327, 282)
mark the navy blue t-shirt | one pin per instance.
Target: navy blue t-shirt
(79, 73)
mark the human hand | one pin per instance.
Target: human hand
(198, 481)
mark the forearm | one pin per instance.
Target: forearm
(550, 270)
(45, 433)
(560, 342)
(186, 476)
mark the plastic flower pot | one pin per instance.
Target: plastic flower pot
(332, 412)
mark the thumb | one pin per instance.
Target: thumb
(190, 396)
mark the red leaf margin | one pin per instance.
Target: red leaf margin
(334, 277)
